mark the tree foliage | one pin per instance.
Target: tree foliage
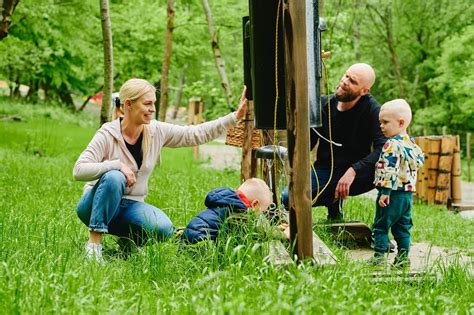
(421, 50)
(430, 39)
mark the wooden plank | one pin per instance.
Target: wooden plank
(278, 255)
(443, 180)
(351, 231)
(461, 207)
(402, 276)
(322, 255)
(297, 113)
(433, 156)
(456, 193)
(247, 156)
(422, 175)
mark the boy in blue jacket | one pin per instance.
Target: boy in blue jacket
(253, 193)
(395, 179)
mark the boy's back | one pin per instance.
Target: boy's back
(219, 202)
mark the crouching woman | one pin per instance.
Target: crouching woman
(119, 160)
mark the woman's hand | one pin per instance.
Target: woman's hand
(240, 113)
(129, 175)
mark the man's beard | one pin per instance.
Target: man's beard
(345, 96)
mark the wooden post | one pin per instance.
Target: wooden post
(433, 156)
(246, 169)
(445, 130)
(444, 170)
(297, 116)
(195, 110)
(422, 176)
(468, 155)
(456, 193)
(191, 111)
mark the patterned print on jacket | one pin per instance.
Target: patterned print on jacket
(398, 163)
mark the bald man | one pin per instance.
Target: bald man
(356, 141)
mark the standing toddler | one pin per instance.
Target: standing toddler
(395, 179)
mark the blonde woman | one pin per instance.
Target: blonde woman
(119, 160)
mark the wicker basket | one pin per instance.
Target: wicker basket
(235, 136)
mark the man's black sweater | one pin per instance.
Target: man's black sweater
(357, 129)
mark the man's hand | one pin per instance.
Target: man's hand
(344, 184)
(240, 113)
(384, 200)
(129, 175)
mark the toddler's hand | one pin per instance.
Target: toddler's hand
(285, 229)
(384, 200)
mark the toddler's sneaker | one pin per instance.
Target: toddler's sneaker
(376, 261)
(401, 262)
(94, 252)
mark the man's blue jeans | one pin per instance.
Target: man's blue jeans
(103, 209)
(362, 183)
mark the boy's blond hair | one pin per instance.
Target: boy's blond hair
(400, 108)
(257, 192)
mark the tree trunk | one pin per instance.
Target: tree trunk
(32, 95)
(7, 7)
(217, 53)
(387, 34)
(166, 63)
(355, 28)
(65, 96)
(108, 61)
(179, 93)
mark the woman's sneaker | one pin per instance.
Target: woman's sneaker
(94, 252)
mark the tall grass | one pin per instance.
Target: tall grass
(42, 266)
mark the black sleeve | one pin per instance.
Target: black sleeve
(313, 136)
(367, 164)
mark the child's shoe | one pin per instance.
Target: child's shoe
(376, 261)
(401, 262)
(94, 252)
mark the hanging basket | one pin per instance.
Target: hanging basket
(235, 136)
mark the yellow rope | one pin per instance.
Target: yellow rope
(276, 105)
(330, 140)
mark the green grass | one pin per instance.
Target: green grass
(464, 170)
(42, 266)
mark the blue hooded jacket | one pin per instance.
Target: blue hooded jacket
(220, 203)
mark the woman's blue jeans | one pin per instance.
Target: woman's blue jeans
(103, 209)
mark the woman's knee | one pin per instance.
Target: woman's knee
(114, 178)
(165, 230)
(155, 222)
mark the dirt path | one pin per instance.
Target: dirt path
(424, 256)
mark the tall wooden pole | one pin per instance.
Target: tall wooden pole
(165, 69)
(468, 155)
(108, 61)
(297, 115)
(248, 159)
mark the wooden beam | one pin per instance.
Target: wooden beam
(294, 24)
(247, 169)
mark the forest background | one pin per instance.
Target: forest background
(421, 50)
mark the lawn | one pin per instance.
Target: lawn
(43, 269)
